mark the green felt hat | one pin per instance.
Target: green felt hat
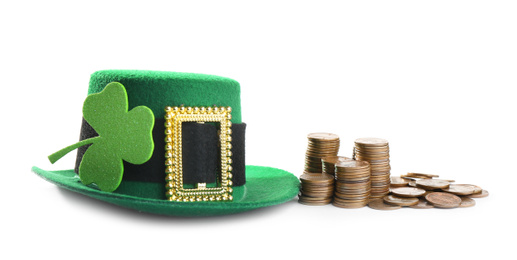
(168, 143)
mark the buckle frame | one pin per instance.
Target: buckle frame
(174, 117)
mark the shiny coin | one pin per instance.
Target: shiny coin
(421, 175)
(317, 178)
(314, 202)
(323, 136)
(467, 202)
(379, 204)
(353, 164)
(422, 204)
(394, 200)
(335, 159)
(349, 204)
(376, 152)
(432, 184)
(316, 188)
(411, 178)
(482, 194)
(370, 141)
(329, 163)
(408, 192)
(443, 200)
(397, 181)
(463, 189)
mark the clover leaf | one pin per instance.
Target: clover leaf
(123, 135)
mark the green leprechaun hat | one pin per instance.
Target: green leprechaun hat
(168, 143)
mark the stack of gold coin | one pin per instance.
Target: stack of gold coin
(329, 163)
(320, 145)
(316, 189)
(376, 152)
(352, 184)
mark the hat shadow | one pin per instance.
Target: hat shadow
(106, 207)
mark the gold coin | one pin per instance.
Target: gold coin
(432, 184)
(353, 164)
(394, 200)
(421, 175)
(379, 204)
(364, 153)
(335, 159)
(411, 178)
(349, 204)
(317, 178)
(316, 188)
(307, 201)
(443, 200)
(422, 204)
(408, 192)
(329, 163)
(467, 202)
(463, 189)
(320, 145)
(323, 136)
(371, 148)
(353, 199)
(371, 141)
(482, 194)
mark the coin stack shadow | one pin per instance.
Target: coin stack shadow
(320, 145)
(376, 152)
(352, 184)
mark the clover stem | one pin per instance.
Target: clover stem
(59, 154)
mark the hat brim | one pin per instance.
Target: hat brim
(265, 186)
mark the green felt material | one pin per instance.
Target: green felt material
(158, 89)
(123, 135)
(265, 186)
(59, 154)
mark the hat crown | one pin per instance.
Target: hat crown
(159, 89)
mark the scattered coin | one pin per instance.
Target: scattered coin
(422, 204)
(411, 178)
(408, 192)
(379, 204)
(463, 189)
(421, 175)
(443, 199)
(399, 201)
(396, 181)
(467, 202)
(482, 194)
(432, 184)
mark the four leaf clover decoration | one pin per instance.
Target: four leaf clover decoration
(123, 135)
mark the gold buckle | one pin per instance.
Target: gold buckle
(174, 117)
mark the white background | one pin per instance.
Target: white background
(434, 78)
